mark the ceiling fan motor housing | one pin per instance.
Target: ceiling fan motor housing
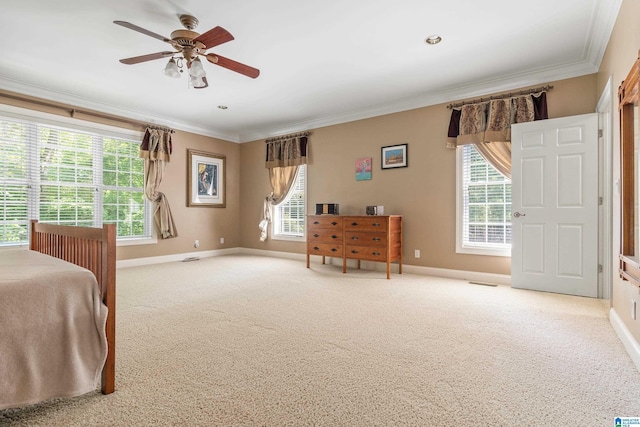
(189, 48)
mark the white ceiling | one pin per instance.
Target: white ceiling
(321, 62)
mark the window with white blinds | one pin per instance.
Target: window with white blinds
(289, 217)
(484, 206)
(66, 175)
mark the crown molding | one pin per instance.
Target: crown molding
(43, 93)
(445, 95)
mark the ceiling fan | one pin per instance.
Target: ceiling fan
(189, 46)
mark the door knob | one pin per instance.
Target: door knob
(518, 214)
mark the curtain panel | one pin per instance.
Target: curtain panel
(488, 126)
(284, 157)
(155, 149)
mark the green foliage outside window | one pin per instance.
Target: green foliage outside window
(71, 177)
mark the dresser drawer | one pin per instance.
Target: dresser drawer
(319, 235)
(325, 249)
(325, 222)
(365, 238)
(369, 253)
(369, 223)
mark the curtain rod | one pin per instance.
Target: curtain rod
(280, 138)
(72, 111)
(506, 95)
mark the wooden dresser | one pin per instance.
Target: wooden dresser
(359, 237)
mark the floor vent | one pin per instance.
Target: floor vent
(483, 283)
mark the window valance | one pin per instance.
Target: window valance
(290, 150)
(490, 121)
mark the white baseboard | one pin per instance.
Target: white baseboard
(134, 262)
(499, 279)
(629, 343)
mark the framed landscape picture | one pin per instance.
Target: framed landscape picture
(205, 179)
(395, 156)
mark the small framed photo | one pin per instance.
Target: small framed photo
(395, 156)
(205, 179)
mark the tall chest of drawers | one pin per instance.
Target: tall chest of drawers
(362, 238)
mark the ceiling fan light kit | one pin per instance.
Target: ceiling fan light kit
(172, 69)
(189, 46)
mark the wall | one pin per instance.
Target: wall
(204, 224)
(424, 193)
(621, 52)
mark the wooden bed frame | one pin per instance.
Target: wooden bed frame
(95, 250)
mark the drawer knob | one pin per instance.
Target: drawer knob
(334, 250)
(334, 223)
(376, 224)
(354, 223)
(376, 239)
(354, 238)
(315, 248)
(316, 222)
(376, 253)
(316, 235)
(334, 237)
(354, 251)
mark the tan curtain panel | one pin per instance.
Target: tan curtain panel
(281, 180)
(284, 157)
(498, 155)
(156, 150)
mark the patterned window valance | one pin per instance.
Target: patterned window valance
(289, 150)
(490, 121)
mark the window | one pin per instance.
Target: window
(63, 173)
(484, 206)
(289, 217)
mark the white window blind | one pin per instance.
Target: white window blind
(289, 216)
(485, 201)
(72, 176)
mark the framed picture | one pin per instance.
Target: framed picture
(205, 179)
(363, 168)
(395, 156)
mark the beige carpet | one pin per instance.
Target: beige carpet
(244, 340)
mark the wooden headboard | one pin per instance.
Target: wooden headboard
(95, 250)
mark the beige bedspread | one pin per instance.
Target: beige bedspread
(52, 329)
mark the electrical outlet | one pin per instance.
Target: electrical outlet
(196, 243)
(417, 253)
(222, 240)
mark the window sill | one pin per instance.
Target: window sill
(483, 250)
(284, 237)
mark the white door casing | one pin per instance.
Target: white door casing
(555, 205)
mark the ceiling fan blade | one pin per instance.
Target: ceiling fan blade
(214, 37)
(143, 31)
(143, 58)
(233, 65)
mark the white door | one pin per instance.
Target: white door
(555, 205)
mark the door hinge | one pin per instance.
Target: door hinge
(600, 133)
(600, 201)
(599, 268)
